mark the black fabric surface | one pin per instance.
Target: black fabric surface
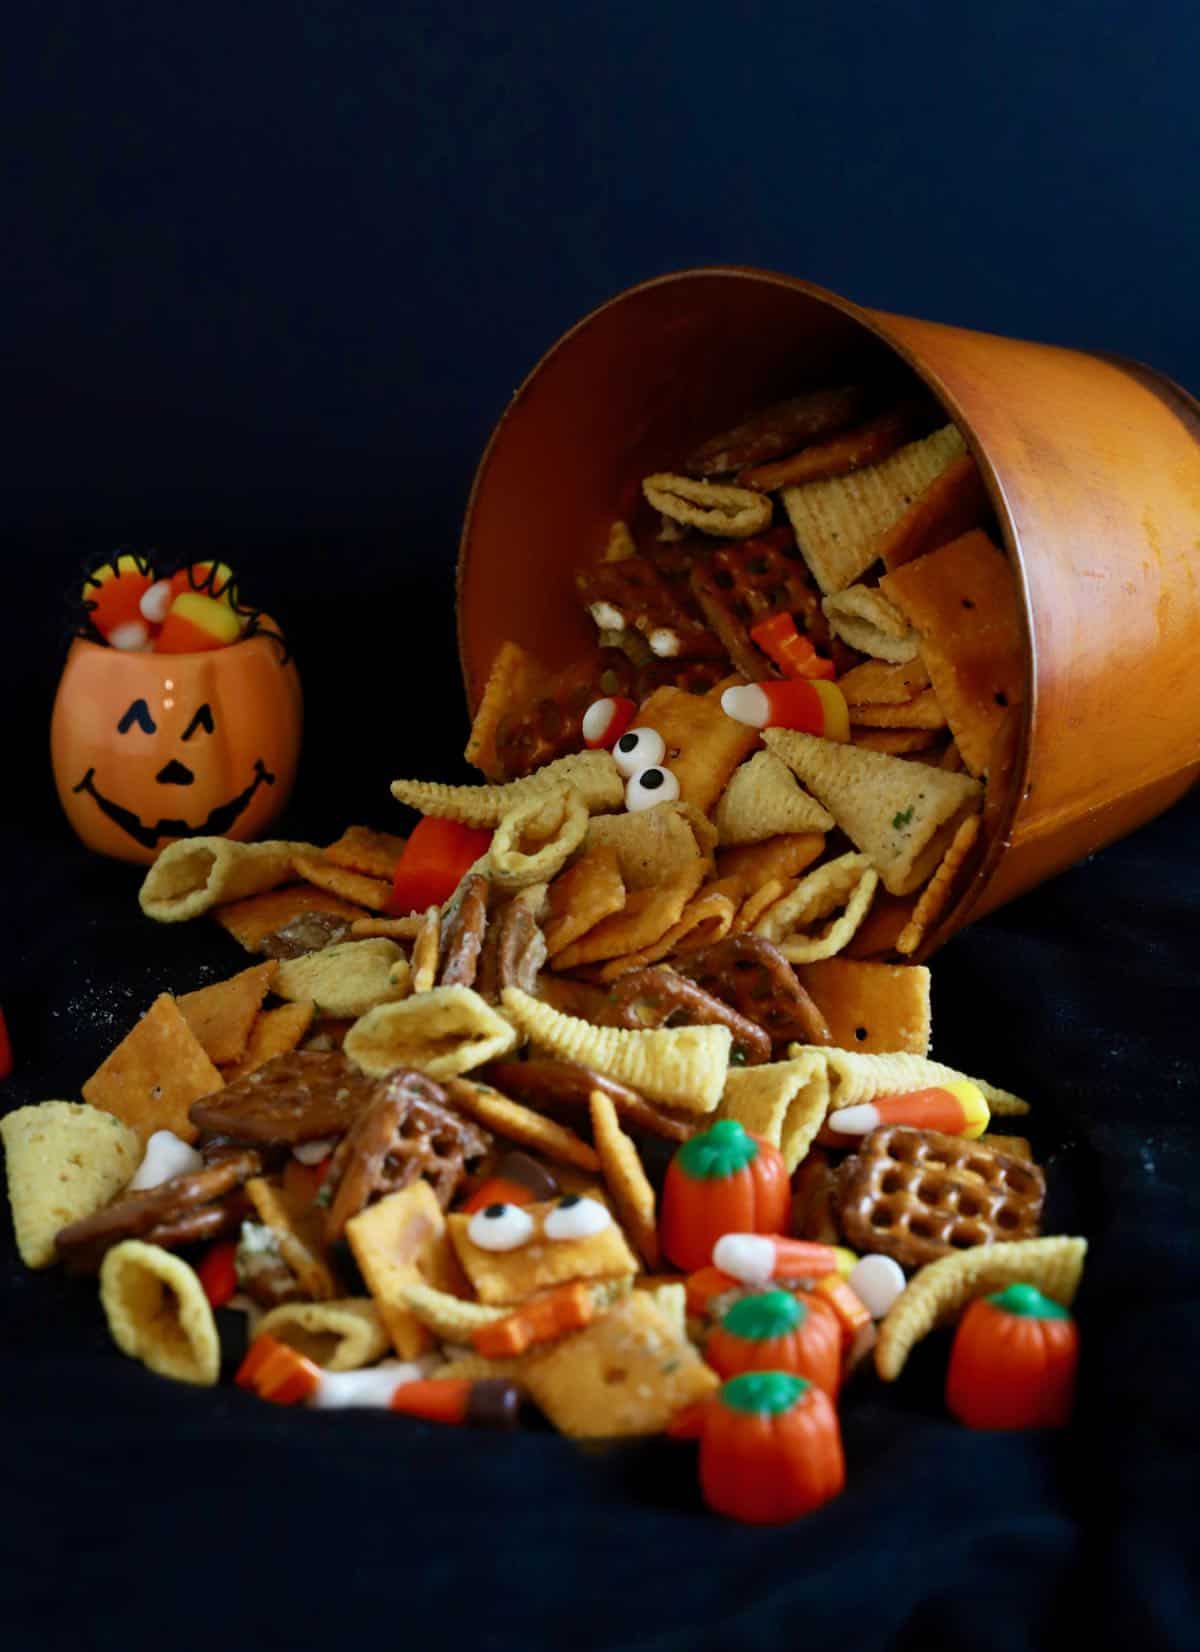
(271, 273)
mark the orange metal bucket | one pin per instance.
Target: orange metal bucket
(1093, 468)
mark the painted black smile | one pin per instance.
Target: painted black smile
(218, 822)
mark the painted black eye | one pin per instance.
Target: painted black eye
(500, 1227)
(203, 719)
(139, 713)
(638, 748)
(648, 787)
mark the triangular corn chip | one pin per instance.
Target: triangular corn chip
(783, 1101)
(840, 523)
(64, 1161)
(899, 814)
(197, 873)
(852, 1078)
(762, 800)
(157, 1312)
(443, 1032)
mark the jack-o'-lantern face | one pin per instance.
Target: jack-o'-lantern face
(148, 748)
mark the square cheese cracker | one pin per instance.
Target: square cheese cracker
(155, 1074)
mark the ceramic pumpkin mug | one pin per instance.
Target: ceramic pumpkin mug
(147, 747)
(1091, 463)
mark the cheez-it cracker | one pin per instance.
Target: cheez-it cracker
(704, 746)
(155, 1074)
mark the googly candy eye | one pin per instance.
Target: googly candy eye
(638, 748)
(575, 1217)
(605, 721)
(650, 786)
(500, 1227)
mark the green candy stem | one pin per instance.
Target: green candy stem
(718, 1153)
(764, 1393)
(1027, 1302)
(761, 1317)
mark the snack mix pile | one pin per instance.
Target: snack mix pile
(608, 1090)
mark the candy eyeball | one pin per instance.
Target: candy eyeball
(638, 748)
(650, 786)
(500, 1227)
(576, 1217)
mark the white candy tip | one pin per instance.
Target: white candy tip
(854, 1121)
(156, 601)
(131, 637)
(749, 1257)
(597, 718)
(746, 703)
(877, 1282)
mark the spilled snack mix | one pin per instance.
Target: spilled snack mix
(639, 1001)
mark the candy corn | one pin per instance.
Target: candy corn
(490, 1401)
(851, 1311)
(811, 707)
(756, 1258)
(278, 1373)
(956, 1109)
(436, 856)
(793, 653)
(195, 623)
(113, 595)
(605, 721)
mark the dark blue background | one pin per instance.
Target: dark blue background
(269, 276)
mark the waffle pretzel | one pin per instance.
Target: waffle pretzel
(660, 996)
(751, 974)
(408, 1131)
(917, 1195)
(736, 586)
(535, 731)
(633, 594)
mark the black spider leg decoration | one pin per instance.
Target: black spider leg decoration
(77, 599)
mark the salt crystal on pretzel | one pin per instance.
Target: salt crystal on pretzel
(862, 617)
(593, 774)
(763, 800)
(195, 874)
(442, 1033)
(899, 814)
(712, 507)
(936, 1293)
(682, 1067)
(839, 523)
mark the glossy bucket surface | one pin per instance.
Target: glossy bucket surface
(1092, 465)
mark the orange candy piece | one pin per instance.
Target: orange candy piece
(196, 623)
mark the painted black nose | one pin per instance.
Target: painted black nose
(174, 774)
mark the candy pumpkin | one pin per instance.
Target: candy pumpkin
(151, 747)
(724, 1180)
(770, 1447)
(779, 1331)
(1013, 1361)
